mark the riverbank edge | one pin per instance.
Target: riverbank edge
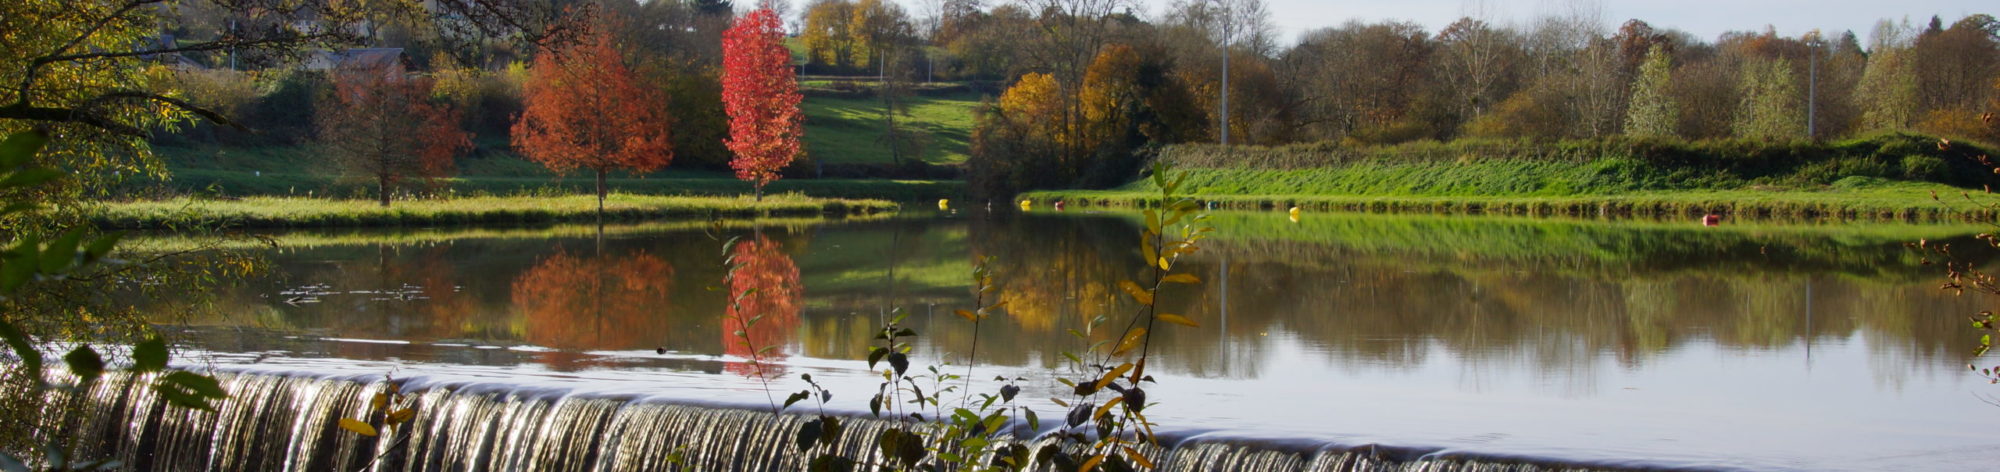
(1735, 204)
(297, 212)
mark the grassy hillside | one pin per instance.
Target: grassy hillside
(849, 130)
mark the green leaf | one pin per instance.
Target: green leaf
(150, 355)
(357, 427)
(22, 261)
(24, 348)
(809, 435)
(102, 246)
(875, 355)
(20, 147)
(200, 384)
(29, 178)
(831, 463)
(60, 256)
(85, 363)
(802, 395)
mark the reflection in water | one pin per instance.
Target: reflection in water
(599, 302)
(1367, 292)
(765, 287)
(1642, 340)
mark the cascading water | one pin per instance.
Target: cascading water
(290, 423)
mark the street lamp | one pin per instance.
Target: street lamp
(1228, 37)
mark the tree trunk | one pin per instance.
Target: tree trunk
(760, 191)
(382, 189)
(600, 194)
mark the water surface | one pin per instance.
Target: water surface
(1810, 347)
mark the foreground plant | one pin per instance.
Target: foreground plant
(29, 260)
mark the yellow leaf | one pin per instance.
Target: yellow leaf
(1181, 279)
(1179, 320)
(357, 427)
(1132, 340)
(1164, 265)
(1091, 464)
(1112, 375)
(381, 402)
(1146, 249)
(1140, 458)
(967, 315)
(1138, 293)
(402, 416)
(1106, 408)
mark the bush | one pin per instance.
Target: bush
(1922, 167)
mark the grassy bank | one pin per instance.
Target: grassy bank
(1886, 176)
(1854, 198)
(290, 212)
(236, 183)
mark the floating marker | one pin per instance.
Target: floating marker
(944, 204)
(1027, 204)
(1295, 214)
(1059, 205)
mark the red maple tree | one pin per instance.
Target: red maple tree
(761, 96)
(380, 123)
(585, 108)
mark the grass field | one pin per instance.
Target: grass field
(849, 130)
(291, 212)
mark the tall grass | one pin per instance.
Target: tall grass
(290, 212)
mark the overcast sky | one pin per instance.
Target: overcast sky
(1706, 19)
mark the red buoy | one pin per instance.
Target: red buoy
(1711, 220)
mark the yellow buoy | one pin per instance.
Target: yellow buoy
(1295, 214)
(1027, 204)
(944, 204)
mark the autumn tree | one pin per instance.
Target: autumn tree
(585, 108)
(602, 302)
(1887, 94)
(762, 98)
(1653, 112)
(764, 304)
(382, 125)
(826, 33)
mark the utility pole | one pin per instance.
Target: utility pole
(1812, 92)
(1227, 38)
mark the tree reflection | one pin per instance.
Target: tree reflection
(601, 302)
(767, 282)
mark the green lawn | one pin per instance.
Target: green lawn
(275, 212)
(849, 130)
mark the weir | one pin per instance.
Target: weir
(284, 422)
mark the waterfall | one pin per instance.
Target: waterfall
(289, 423)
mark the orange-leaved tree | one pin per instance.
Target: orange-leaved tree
(585, 108)
(602, 302)
(762, 98)
(764, 304)
(381, 123)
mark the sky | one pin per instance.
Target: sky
(1705, 19)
